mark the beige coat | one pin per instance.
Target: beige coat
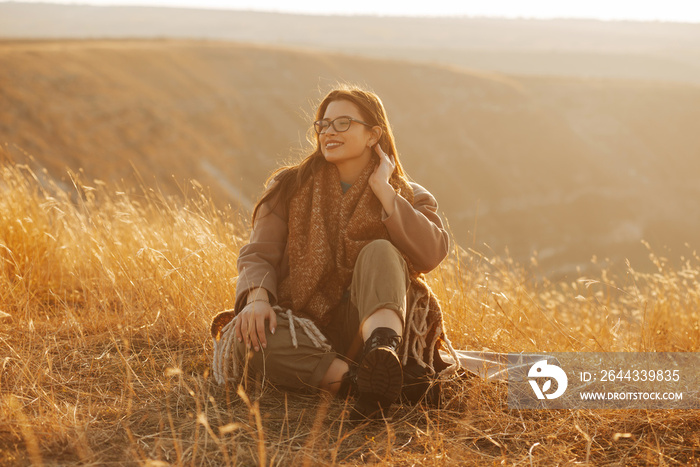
(416, 231)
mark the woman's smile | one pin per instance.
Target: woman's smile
(332, 144)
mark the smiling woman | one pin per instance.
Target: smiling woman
(331, 293)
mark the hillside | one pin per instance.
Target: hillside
(569, 168)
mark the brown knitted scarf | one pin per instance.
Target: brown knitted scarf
(327, 230)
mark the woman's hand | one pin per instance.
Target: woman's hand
(386, 167)
(379, 180)
(250, 324)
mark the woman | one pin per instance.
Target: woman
(330, 293)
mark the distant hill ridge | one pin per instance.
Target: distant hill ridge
(567, 47)
(565, 167)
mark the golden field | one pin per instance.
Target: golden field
(106, 294)
(128, 171)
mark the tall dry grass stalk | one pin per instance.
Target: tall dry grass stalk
(105, 301)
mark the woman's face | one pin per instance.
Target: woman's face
(351, 148)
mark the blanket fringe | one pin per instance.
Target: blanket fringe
(416, 334)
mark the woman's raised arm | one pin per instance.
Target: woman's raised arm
(417, 230)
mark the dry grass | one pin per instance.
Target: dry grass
(105, 300)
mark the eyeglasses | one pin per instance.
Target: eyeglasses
(340, 124)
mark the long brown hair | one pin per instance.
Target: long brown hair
(289, 178)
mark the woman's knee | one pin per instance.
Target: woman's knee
(379, 251)
(284, 363)
(253, 359)
(380, 258)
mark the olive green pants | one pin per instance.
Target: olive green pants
(380, 280)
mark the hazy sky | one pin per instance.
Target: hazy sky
(667, 10)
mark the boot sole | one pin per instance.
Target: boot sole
(380, 376)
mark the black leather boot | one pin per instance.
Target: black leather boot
(379, 375)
